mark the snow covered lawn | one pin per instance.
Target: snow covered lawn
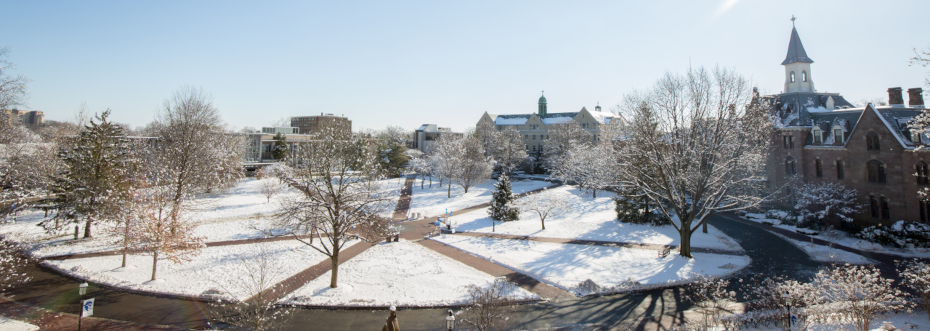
(215, 271)
(433, 201)
(8, 324)
(900, 321)
(589, 219)
(402, 274)
(822, 253)
(567, 265)
(842, 238)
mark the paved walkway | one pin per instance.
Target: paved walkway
(656, 247)
(403, 202)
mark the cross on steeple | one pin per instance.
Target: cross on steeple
(792, 20)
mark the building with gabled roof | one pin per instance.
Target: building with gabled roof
(535, 126)
(822, 137)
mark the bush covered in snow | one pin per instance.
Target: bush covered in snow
(915, 275)
(901, 234)
(828, 205)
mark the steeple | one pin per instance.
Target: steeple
(797, 65)
(542, 105)
(796, 51)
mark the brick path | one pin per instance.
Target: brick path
(403, 202)
(656, 247)
(526, 282)
(47, 320)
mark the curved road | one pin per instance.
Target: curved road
(771, 255)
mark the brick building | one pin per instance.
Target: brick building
(312, 124)
(822, 137)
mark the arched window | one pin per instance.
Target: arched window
(804, 76)
(790, 168)
(791, 77)
(924, 211)
(922, 178)
(872, 142)
(876, 171)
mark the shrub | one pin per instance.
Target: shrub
(915, 275)
(828, 204)
(901, 234)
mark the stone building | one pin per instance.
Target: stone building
(822, 137)
(535, 126)
(26, 117)
(427, 135)
(312, 124)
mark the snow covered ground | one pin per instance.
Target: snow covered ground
(240, 212)
(828, 254)
(8, 324)
(844, 239)
(589, 219)
(402, 274)
(433, 201)
(567, 265)
(216, 270)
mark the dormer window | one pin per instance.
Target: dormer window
(791, 77)
(838, 134)
(818, 136)
(803, 76)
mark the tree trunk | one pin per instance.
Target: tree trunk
(154, 264)
(543, 220)
(466, 189)
(594, 194)
(87, 228)
(685, 248)
(449, 193)
(334, 262)
(430, 182)
(421, 182)
(704, 225)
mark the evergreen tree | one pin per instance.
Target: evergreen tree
(502, 202)
(279, 149)
(91, 185)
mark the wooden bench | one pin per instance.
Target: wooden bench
(664, 252)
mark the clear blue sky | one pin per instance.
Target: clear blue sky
(406, 63)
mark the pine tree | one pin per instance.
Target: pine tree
(502, 202)
(92, 182)
(279, 149)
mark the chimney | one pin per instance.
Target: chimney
(916, 96)
(894, 96)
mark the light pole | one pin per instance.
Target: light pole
(82, 289)
(788, 303)
(450, 321)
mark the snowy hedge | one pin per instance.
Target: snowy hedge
(901, 234)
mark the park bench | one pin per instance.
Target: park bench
(664, 252)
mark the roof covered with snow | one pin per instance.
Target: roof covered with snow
(795, 109)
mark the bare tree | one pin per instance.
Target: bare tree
(915, 275)
(336, 203)
(592, 166)
(270, 184)
(13, 90)
(505, 148)
(162, 229)
(473, 166)
(544, 204)
(12, 265)
(257, 312)
(860, 293)
(712, 297)
(706, 152)
(492, 307)
(198, 153)
(562, 137)
(21, 153)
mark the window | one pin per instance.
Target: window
(534, 148)
(840, 172)
(872, 142)
(885, 211)
(790, 166)
(789, 142)
(876, 171)
(922, 178)
(819, 166)
(838, 135)
(924, 211)
(534, 137)
(803, 76)
(818, 138)
(873, 206)
(791, 77)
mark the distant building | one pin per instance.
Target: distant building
(282, 130)
(427, 134)
(535, 127)
(26, 117)
(313, 124)
(821, 137)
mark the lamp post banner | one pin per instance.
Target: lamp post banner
(87, 307)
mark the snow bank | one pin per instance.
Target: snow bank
(433, 201)
(402, 274)
(8, 324)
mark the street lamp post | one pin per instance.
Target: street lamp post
(450, 321)
(82, 289)
(788, 303)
